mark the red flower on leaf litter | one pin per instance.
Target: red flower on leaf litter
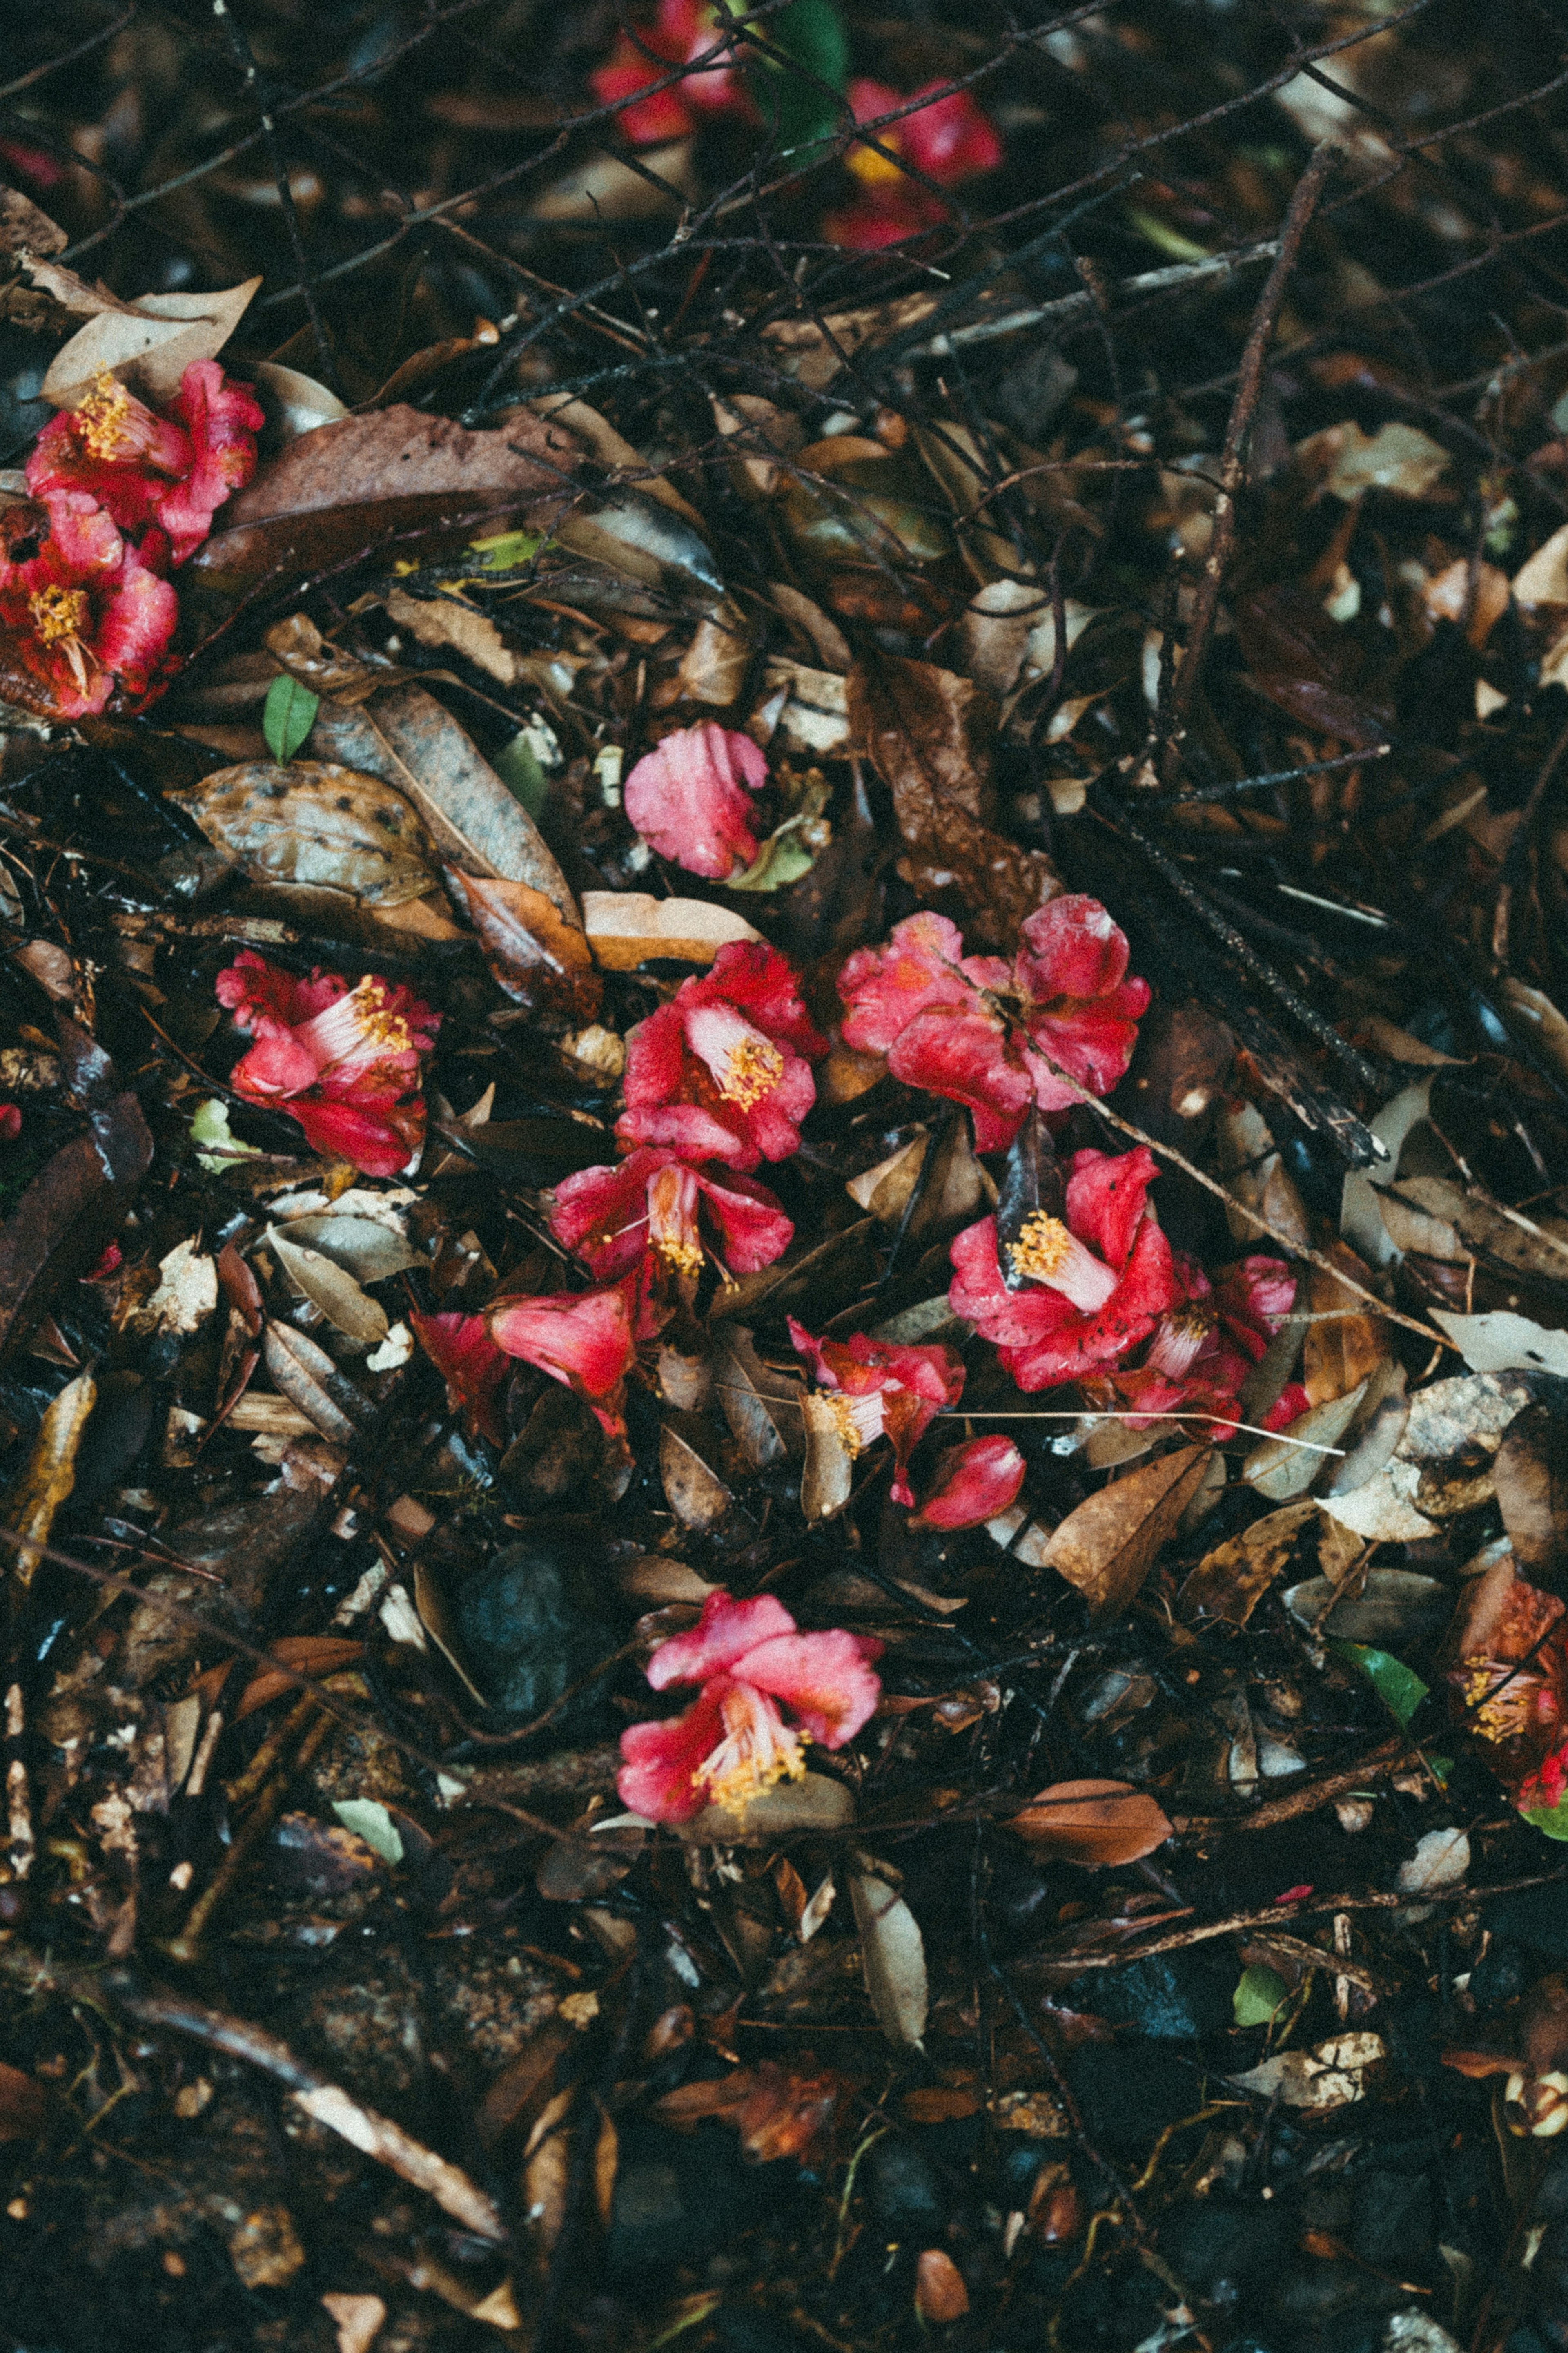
(974, 1483)
(343, 1062)
(1089, 1289)
(473, 1367)
(878, 1390)
(1509, 1687)
(652, 1200)
(586, 1340)
(170, 473)
(981, 1033)
(82, 614)
(733, 1742)
(1208, 1341)
(721, 1072)
(948, 140)
(680, 30)
(690, 798)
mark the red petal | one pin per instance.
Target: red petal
(689, 797)
(765, 987)
(583, 1339)
(10, 1122)
(726, 1631)
(461, 1349)
(825, 1679)
(951, 138)
(1071, 948)
(884, 988)
(138, 622)
(752, 1227)
(1106, 1196)
(602, 1213)
(658, 1761)
(966, 1057)
(1071, 1344)
(975, 1483)
(378, 1143)
(977, 1292)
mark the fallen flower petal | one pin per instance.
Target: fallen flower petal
(974, 1483)
(722, 1073)
(461, 1349)
(81, 613)
(612, 1216)
(680, 30)
(689, 798)
(144, 470)
(344, 1062)
(881, 1390)
(584, 1339)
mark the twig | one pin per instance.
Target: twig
(1381, 1761)
(1248, 390)
(376, 2136)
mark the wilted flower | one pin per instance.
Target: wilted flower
(171, 472)
(947, 139)
(974, 1483)
(879, 1390)
(678, 30)
(733, 1742)
(473, 1367)
(973, 1029)
(1508, 1686)
(719, 1072)
(690, 798)
(586, 1340)
(1208, 1341)
(1089, 1289)
(343, 1062)
(652, 1200)
(81, 613)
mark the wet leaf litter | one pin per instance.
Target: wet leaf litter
(784, 1259)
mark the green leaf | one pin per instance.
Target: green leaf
(801, 115)
(506, 550)
(783, 859)
(1259, 1997)
(1399, 1687)
(1552, 1819)
(210, 1125)
(518, 767)
(371, 1821)
(287, 717)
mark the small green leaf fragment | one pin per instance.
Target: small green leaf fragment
(287, 717)
(370, 1820)
(211, 1127)
(517, 765)
(1399, 1687)
(506, 551)
(801, 112)
(1552, 1820)
(1259, 1996)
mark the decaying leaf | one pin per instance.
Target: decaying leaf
(148, 343)
(540, 958)
(1107, 1546)
(1330, 2076)
(320, 825)
(892, 1955)
(816, 1802)
(1501, 1342)
(692, 1488)
(371, 1249)
(341, 1298)
(625, 928)
(50, 1475)
(1280, 1469)
(1093, 1822)
(1344, 1347)
(763, 1408)
(1230, 1581)
(1530, 1480)
(69, 1214)
(828, 1474)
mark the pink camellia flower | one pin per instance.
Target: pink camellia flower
(1209, 1340)
(948, 140)
(586, 1340)
(473, 1367)
(721, 1071)
(1089, 1289)
(878, 1390)
(171, 472)
(689, 798)
(343, 1062)
(733, 1742)
(610, 1217)
(81, 611)
(974, 1483)
(973, 1029)
(678, 30)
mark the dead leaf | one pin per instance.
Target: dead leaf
(367, 1248)
(829, 1477)
(50, 1475)
(294, 403)
(69, 1213)
(1257, 1178)
(1282, 1469)
(324, 668)
(308, 1378)
(1343, 1352)
(1530, 1480)
(1398, 457)
(357, 2320)
(692, 1488)
(816, 1802)
(1107, 1546)
(327, 1286)
(539, 958)
(1230, 1581)
(448, 622)
(813, 351)
(625, 928)
(1093, 1822)
(1447, 1420)
(939, 2293)
(892, 1957)
(604, 188)
(308, 1654)
(318, 825)
(147, 344)
(713, 666)
(405, 736)
(1501, 1342)
(763, 1408)
(1332, 2076)
(929, 734)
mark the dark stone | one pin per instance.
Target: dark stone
(1176, 1996)
(524, 1642)
(1392, 2226)
(1222, 2250)
(1106, 2312)
(904, 2189)
(1536, 1917)
(1502, 1973)
(1015, 1899)
(679, 2198)
(1029, 394)
(1128, 2092)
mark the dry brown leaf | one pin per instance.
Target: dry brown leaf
(1093, 1822)
(939, 2293)
(625, 928)
(316, 825)
(1230, 1581)
(1107, 1546)
(446, 621)
(829, 1472)
(692, 1488)
(892, 1957)
(1343, 1352)
(534, 955)
(149, 344)
(24, 2105)
(307, 1654)
(50, 1475)
(713, 666)
(1530, 1476)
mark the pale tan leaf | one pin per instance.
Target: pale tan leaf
(829, 1473)
(341, 1300)
(50, 1475)
(1281, 1470)
(446, 621)
(892, 1958)
(692, 1489)
(1332, 2076)
(626, 927)
(147, 344)
(1093, 1822)
(816, 1802)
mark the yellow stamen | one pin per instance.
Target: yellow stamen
(838, 1406)
(686, 1258)
(872, 169)
(751, 1758)
(1043, 1245)
(381, 1027)
(1506, 1713)
(102, 415)
(58, 613)
(755, 1069)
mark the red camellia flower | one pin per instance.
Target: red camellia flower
(1509, 1687)
(610, 1217)
(1087, 1291)
(733, 1742)
(881, 1391)
(973, 1029)
(586, 1340)
(689, 798)
(81, 612)
(461, 1349)
(170, 472)
(721, 1072)
(680, 30)
(343, 1062)
(1209, 1340)
(948, 139)
(974, 1483)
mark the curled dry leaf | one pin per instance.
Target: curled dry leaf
(1348, 1344)
(367, 1248)
(1107, 1546)
(317, 825)
(892, 1957)
(816, 1802)
(1332, 2076)
(1531, 1478)
(1093, 1822)
(763, 1407)
(307, 1654)
(625, 928)
(147, 344)
(1230, 1581)
(828, 1476)
(448, 622)
(692, 1488)
(534, 952)
(331, 1288)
